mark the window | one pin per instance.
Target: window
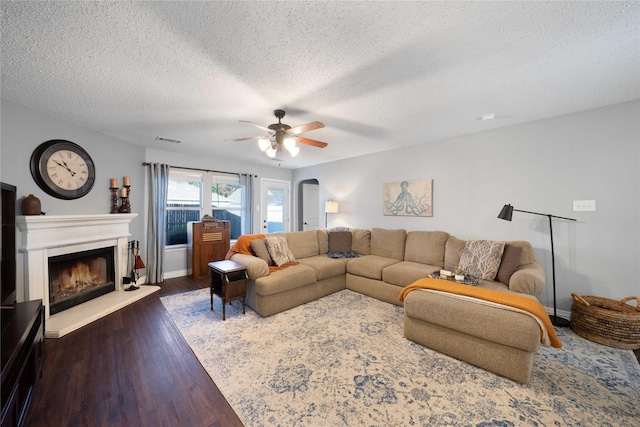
(226, 202)
(184, 204)
(188, 196)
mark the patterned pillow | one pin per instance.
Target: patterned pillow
(481, 258)
(279, 250)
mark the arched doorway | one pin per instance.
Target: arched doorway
(308, 205)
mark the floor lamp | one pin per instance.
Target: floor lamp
(506, 213)
(329, 207)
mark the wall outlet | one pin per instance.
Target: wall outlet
(584, 205)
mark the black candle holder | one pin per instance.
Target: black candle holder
(125, 205)
(114, 199)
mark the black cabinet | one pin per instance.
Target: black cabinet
(8, 249)
(22, 358)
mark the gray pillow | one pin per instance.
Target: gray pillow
(259, 248)
(340, 241)
(509, 264)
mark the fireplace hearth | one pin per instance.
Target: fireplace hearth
(79, 277)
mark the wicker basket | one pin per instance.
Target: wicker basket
(606, 321)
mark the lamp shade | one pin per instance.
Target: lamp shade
(506, 213)
(331, 207)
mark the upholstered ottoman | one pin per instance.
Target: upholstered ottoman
(493, 338)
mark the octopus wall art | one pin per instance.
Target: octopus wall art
(408, 198)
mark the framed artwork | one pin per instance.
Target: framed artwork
(408, 198)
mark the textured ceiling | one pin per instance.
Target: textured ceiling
(380, 75)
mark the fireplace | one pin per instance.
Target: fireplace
(61, 238)
(79, 277)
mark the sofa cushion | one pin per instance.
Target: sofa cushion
(452, 252)
(361, 241)
(325, 267)
(369, 266)
(279, 250)
(388, 243)
(406, 272)
(509, 263)
(426, 247)
(303, 244)
(323, 241)
(481, 258)
(292, 277)
(259, 248)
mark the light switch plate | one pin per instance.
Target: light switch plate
(584, 205)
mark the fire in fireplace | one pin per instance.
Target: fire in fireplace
(79, 277)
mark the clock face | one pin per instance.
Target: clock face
(63, 169)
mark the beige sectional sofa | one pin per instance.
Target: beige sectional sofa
(388, 261)
(392, 259)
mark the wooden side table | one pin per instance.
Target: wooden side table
(229, 282)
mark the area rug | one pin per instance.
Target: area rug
(342, 360)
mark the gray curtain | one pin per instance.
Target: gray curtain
(158, 178)
(246, 181)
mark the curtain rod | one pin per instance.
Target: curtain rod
(202, 170)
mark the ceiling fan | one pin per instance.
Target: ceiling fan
(281, 135)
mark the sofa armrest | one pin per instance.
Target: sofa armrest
(256, 267)
(528, 279)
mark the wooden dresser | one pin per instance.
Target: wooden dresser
(208, 241)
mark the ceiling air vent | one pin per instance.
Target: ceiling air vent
(163, 139)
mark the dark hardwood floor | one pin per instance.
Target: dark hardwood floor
(131, 368)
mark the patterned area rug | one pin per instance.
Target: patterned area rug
(343, 361)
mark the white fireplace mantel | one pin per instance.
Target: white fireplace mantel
(52, 235)
(44, 232)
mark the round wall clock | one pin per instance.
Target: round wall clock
(63, 169)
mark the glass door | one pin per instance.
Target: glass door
(275, 206)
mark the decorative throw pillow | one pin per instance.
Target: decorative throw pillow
(279, 250)
(259, 248)
(340, 241)
(509, 263)
(481, 258)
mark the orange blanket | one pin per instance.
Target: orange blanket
(243, 246)
(521, 303)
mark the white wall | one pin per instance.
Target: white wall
(23, 129)
(540, 166)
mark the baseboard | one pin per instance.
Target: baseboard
(176, 273)
(561, 313)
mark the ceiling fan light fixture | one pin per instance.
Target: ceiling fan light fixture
(289, 143)
(271, 152)
(264, 144)
(293, 150)
(280, 135)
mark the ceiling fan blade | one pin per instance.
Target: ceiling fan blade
(306, 128)
(247, 138)
(258, 126)
(313, 142)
